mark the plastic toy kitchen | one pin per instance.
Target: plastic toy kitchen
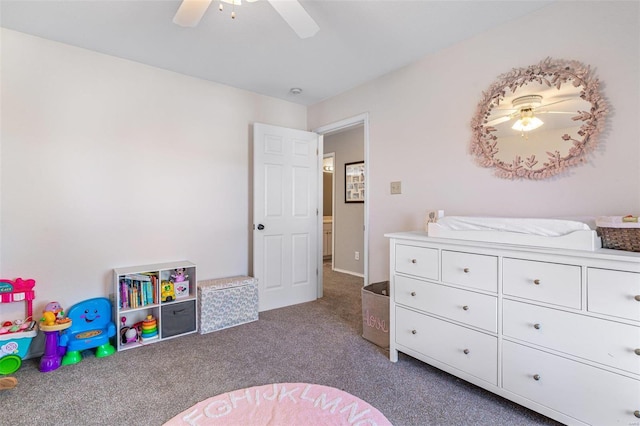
(16, 335)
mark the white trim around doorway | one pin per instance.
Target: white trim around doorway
(361, 119)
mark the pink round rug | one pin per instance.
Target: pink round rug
(282, 404)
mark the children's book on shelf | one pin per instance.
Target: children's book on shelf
(138, 290)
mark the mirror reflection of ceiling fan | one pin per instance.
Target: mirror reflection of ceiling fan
(525, 109)
(190, 13)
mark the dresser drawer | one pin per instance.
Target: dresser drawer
(470, 270)
(606, 342)
(478, 310)
(586, 393)
(418, 261)
(615, 293)
(544, 282)
(467, 350)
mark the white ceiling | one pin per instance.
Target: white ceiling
(358, 40)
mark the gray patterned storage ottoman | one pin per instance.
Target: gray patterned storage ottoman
(227, 302)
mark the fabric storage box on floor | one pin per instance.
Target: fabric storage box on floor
(227, 302)
(375, 313)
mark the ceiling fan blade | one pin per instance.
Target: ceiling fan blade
(552, 103)
(556, 112)
(297, 18)
(190, 12)
(499, 120)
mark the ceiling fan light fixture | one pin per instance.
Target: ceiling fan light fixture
(526, 124)
(190, 13)
(233, 4)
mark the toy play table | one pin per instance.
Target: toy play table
(53, 353)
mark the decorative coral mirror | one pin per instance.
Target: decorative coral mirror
(536, 122)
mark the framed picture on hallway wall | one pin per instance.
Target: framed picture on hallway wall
(354, 182)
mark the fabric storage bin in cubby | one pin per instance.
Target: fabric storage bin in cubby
(227, 302)
(178, 318)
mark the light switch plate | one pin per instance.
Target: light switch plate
(396, 187)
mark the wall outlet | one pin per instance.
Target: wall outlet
(357, 255)
(396, 187)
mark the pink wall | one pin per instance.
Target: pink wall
(420, 124)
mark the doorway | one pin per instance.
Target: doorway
(328, 185)
(349, 141)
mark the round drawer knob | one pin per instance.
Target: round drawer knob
(465, 270)
(465, 307)
(466, 351)
(414, 331)
(413, 293)
(637, 351)
(414, 260)
(536, 377)
(637, 297)
(536, 281)
(637, 413)
(536, 326)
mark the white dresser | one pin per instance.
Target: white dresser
(555, 330)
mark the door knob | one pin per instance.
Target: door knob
(260, 227)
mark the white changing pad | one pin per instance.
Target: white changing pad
(552, 233)
(533, 226)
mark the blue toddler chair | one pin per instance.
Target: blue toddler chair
(91, 327)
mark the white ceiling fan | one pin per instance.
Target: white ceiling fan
(190, 13)
(524, 107)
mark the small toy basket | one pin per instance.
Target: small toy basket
(619, 235)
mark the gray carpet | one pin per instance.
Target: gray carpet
(318, 342)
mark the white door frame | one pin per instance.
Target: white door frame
(361, 119)
(331, 155)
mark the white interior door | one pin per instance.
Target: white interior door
(285, 215)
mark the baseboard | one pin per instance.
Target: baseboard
(349, 272)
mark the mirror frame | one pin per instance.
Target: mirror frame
(553, 73)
